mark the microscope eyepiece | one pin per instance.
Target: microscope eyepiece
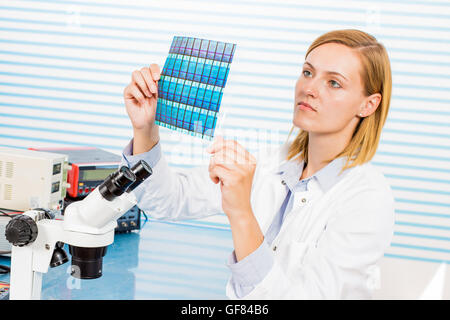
(142, 171)
(124, 177)
(117, 183)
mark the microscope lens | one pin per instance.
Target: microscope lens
(116, 184)
(87, 263)
(142, 171)
(124, 178)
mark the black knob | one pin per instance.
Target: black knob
(21, 230)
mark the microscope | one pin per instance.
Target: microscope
(38, 238)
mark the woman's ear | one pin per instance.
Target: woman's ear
(370, 104)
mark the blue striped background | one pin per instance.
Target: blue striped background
(64, 64)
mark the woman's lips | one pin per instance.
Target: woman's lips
(305, 106)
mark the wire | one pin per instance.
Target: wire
(146, 218)
(4, 269)
(3, 213)
(10, 214)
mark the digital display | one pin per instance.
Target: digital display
(57, 168)
(55, 187)
(96, 174)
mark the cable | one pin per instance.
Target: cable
(10, 214)
(3, 213)
(146, 218)
(4, 269)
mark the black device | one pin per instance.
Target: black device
(129, 221)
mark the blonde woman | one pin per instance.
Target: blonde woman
(312, 220)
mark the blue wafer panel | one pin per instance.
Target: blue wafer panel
(192, 80)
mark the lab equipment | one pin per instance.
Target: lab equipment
(89, 167)
(129, 221)
(88, 228)
(5, 217)
(32, 179)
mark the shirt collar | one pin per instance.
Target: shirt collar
(327, 177)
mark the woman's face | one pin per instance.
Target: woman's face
(331, 84)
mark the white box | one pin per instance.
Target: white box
(32, 179)
(5, 246)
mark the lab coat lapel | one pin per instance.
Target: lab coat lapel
(268, 192)
(267, 197)
(279, 192)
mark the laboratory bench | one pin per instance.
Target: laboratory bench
(162, 260)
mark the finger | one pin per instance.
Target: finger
(133, 92)
(138, 79)
(156, 73)
(218, 173)
(225, 157)
(217, 143)
(241, 154)
(214, 177)
(149, 81)
(230, 151)
(220, 143)
(233, 144)
(231, 159)
(224, 163)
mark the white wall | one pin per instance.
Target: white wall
(64, 64)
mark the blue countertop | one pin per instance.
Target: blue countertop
(163, 260)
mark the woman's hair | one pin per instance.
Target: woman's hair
(376, 78)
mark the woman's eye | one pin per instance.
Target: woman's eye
(306, 73)
(335, 84)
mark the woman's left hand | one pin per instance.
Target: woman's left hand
(234, 167)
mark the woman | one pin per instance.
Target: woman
(311, 221)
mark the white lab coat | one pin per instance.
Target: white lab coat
(328, 245)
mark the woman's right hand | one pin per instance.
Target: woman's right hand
(141, 97)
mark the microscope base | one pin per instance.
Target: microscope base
(29, 263)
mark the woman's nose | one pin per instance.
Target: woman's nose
(309, 88)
